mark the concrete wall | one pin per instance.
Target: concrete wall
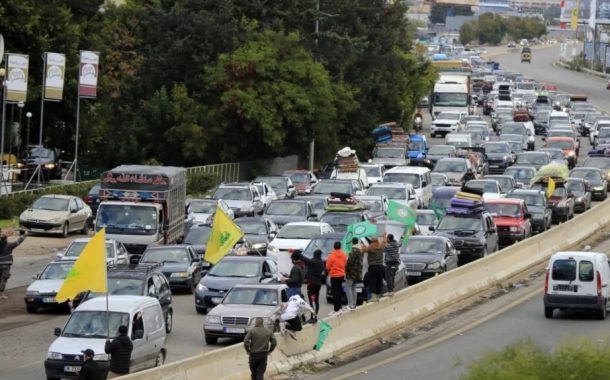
(369, 321)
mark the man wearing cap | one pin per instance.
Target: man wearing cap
(6, 259)
(90, 369)
(120, 353)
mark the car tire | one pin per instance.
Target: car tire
(211, 339)
(201, 310)
(31, 309)
(65, 230)
(548, 312)
(169, 321)
(160, 359)
(601, 314)
(86, 227)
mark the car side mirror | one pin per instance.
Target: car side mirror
(57, 331)
(138, 334)
(519, 186)
(431, 228)
(35, 276)
(59, 255)
(134, 259)
(73, 211)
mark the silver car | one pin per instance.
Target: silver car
(234, 316)
(116, 253)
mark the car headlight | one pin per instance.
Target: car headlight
(434, 265)
(201, 288)
(54, 355)
(580, 199)
(213, 319)
(598, 188)
(273, 249)
(20, 165)
(49, 166)
(515, 229)
(259, 246)
(242, 251)
(102, 357)
(180, 274)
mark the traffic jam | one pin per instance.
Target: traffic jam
(491, 159)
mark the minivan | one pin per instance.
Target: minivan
(577, 280)
(417, 176)
(90, 324)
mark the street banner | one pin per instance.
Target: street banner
(55, 68)
(16, 78)
(88, 74)
(574, 17)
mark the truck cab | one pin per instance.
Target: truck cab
(418, 149)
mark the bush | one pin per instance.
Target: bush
(200, 183)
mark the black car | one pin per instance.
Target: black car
(436, 152)
(197, 237)
(499, 156)
(138, 280)
(258, 231)
(537, 205)
(596, 179)
(48, 160)
(428, 256)
(282, 212)
(474, 235)
(340, 220)
(180, 264)
(92, 199)
(561, 202)
(231, 271)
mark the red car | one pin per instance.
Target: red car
(512, 219)
(303, 180)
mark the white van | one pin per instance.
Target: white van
(88, 327)
(359, 174)
(577, 280)
(417, 176)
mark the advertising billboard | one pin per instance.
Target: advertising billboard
(568, 8)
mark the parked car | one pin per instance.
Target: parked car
(258, 231)
(180, 264)
(116, 254)
(243, 199)
(42, 292)
(428, 256)
(512, 219)
(581, 191)
(302, 180)
(233, 316)
(282, 185)
(57, 214)
(232, 271)
(537, 205)
(282, 212)
(596, 178)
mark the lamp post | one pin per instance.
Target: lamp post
(27, 135)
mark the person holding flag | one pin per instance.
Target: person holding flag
(225, 233)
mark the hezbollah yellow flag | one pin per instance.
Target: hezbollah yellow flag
(224, 235)
(88, 272)
(551, 189)
(574, 16)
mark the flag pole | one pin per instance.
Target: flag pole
(107, 317)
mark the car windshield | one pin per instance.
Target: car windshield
(203, 207)
(298, 232)
(424, 246)
(231, 268)
(506, 184)
(532, 159)
(286, 208)
(323, 244)
(56, 271)
(560, 192)
(485, 186)
(498, 209)
(125, 286)
(138, 219)
(516, 129)
(441, 150)
(417, 145)
(252, 296)
(333, 187)
(453, 222)
(167, 255)
(51, 204)
(450, 99)
(410, 178)
(252, 227)
(390, 192)
(372, 171)
(198, 235)
(529, 199)
(515, 146)
(578, 116)
(428, 218)
(560, 144)
(542, 116)
(76, 248)
(233, 194)
(597, 162)
(589, 175)
(496, 148)
(437, 180)
(317, 203)
(556, 154)
(591, 118)
(576, 187)
(450, 167)
(300, 178)
(520, 174)
(94, 324)
(389, 153)
(39, 152)
(603, 132)
(341, 219)
(277, 183)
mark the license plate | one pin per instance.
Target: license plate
(413, 273)
(234, 330)
(216, 299)
(36, 230)
(565, 288)
(72, 369)
(48, 300)
(359, 290)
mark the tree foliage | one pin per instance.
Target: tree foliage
(492, 28)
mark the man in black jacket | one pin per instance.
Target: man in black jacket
(314, 277)
(120, 353)
(6, 259)
(90, 369)
(296, 277)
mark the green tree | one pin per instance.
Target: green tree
(469, 32)
(491, 28)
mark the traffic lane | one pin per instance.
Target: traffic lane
(543, 70)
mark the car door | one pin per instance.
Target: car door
(451, 258)
(154, 333)
(76, 218)
(122, 255)
(491, 234)
(196, 263)
(139, 354)
(164, 293)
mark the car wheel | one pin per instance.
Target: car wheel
(31, 309)
(202, 310)
(65, 230)
(601, 314)
(548, 312)
(169, 321)
(432, 134)
(211, 339)
(86, 226)
(160, 359)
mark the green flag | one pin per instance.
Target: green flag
(324, 329)
(402, 213)
(438, 210)
(357, 230)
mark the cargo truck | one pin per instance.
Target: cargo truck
(142, 205)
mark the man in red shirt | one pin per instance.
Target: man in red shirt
(335, 267)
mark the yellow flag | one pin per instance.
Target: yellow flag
(88, 272)
(574, 16)
(551, 189)
(224, 235)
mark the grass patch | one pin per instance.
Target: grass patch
(6, 223)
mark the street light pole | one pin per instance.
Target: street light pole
(27, 135)
(312, 143)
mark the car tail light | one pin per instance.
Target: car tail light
(88, 199)
(599, 284)
(546, 282)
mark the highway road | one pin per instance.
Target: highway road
(445, 352)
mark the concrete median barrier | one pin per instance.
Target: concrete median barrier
(392, 313)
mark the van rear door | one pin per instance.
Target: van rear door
(573, 276)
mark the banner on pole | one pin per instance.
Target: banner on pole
(88, 73)
(55, 66)
(16, 77)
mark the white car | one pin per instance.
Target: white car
(374, 172)
(116, 253)
(41, 292)
(402, 192)
(266, 192)
(295, 235)
(447, 122)
(203, 210)
(490, 187)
